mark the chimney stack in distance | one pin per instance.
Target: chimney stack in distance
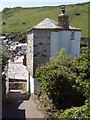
(63, 19)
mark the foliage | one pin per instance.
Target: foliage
(5, 9)
(81, 66)
(4, 23)
(55, 78)
(74, 113)
(66, 81)
(80, 113)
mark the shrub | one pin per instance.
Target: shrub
(57, 80)
(23, 23)
(66, 82)
(4, 23)
(77, 13)
(74, 113)
(5, 9)
(81, 67)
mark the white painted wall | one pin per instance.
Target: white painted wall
(32, 84)
(62, 39)
(28, 84)
(56, 38)
(75, 45)
(66, 41)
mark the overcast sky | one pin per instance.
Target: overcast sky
(36, 3)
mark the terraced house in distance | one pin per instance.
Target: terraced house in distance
(48, 37)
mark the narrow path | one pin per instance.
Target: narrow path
(21, 105)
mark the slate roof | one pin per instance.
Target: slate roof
(50, 24)
(17, 71)
(47, 23)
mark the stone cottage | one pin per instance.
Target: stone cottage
(48, 37)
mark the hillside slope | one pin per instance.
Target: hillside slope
(21, 19)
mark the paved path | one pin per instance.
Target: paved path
(21, 105)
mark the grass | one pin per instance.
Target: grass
(22, 19)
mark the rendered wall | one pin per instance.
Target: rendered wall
(63, 39)
(55, 46)
(32, 85)
(75, 45)
(66, 41)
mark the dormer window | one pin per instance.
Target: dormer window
(72, 35)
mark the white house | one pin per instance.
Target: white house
(48, 37)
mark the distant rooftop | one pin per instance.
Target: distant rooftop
(2, 37)
(17, 71)
(50, 24)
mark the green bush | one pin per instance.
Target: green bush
(57, 80)
(81, 67)
(4, 23)
(74, 113)
(66, 82)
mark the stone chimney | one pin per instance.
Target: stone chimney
(63, 19)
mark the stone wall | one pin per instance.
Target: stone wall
(30, 53)
(38, 49)
(41, 47)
